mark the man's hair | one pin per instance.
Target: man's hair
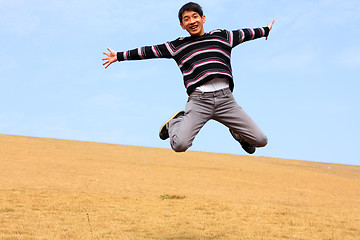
(191, 6)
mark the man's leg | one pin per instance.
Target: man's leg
(164, 130)
(229, 113)
(183, 130)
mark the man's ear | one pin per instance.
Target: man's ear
(203, 18)
(182, 25)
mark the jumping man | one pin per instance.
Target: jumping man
(204, 60)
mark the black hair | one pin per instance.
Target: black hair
(190, 6)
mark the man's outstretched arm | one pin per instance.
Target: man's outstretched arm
(147, 52)
(270, 26)
(111, 57)
(247, 34)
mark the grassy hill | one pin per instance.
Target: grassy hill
(61, 189)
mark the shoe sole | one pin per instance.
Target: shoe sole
(252, 151)
(172, 117)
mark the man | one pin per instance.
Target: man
(204, 60)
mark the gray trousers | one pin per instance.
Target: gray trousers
(219, 106)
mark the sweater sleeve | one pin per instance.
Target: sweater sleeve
(148, 52)
(246, 34)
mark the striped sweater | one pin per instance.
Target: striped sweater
(200, 59)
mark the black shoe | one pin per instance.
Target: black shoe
(164, 130)
(250, 149)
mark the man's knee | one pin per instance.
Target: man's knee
(261, 141)
(178, 144)
(179, 147)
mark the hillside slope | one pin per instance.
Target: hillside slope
(61, 189)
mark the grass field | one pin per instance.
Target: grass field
(60, 189)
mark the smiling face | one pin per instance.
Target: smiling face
(192, 22)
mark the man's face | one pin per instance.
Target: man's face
(193, 23)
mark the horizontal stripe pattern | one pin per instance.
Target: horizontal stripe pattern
(202, 64)
(199, 52)
(199, 58)
(205, 75)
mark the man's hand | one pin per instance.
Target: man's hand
(270, 25)
(111, 57)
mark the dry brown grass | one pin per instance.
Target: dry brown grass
(58, 189)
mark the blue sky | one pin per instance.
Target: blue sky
(301, 86)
